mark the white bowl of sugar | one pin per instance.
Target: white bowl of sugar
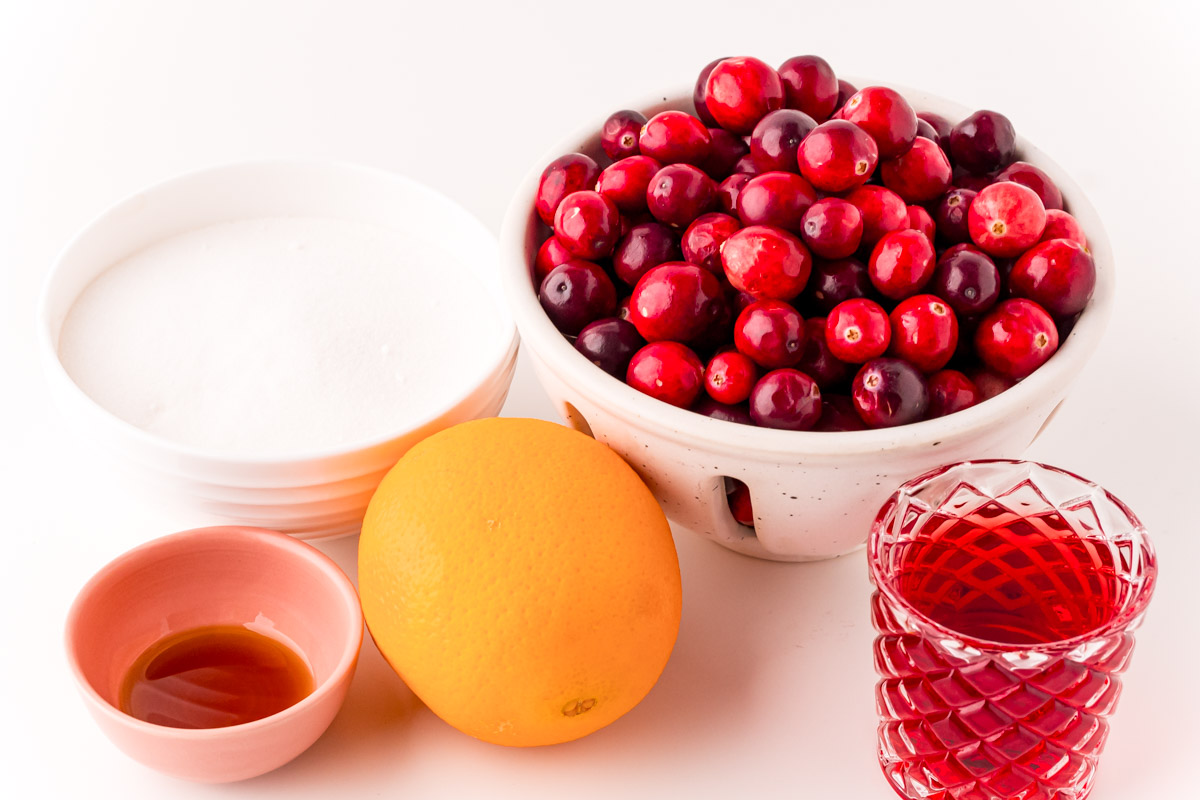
(263, 341)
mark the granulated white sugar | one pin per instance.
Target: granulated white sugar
(278, 336)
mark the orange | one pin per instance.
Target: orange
(521, 579)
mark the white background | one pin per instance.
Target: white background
(769, 691)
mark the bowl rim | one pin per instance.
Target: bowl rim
(639, 409)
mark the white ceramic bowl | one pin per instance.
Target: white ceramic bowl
(814, 494)
(321, 493)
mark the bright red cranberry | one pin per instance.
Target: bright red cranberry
(673, 137)
(728, 191)
(832, 228)
(858, 330)
(837, 155)
(776, 198)
(702, 240)
(983, 142)
(767, 262)
(919, 220)
(1006, 219)
(838, 414)
(924, 332)
(901, 264)
(1061, 225)
(675, 301)
(741, 91)
(835, 281)
(889, 392)
(729, 377)
(771, 333)
(1059, 275)
(967, 280)
(810, 86)
(786, 399)
(950, 391)
(882, 210)
(620, 132)
(1027, 174)
(565, 175)
(739, 413)
(625, 182)
(576, 293)
(1015, 338)
(776, 138)
(885, 115)
(920, 174)
(725, 154)
(740, 506)
(846, 90)
(588, 224)
(609, 344)
(941, 128)
(643, 248)
(950, 216)
(679, 193)
(667, 371)
(818, 361)
(698, 94)
(549, 255)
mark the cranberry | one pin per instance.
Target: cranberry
(776, 198)
(924, 332)
(675, 301)
(703, 239)
(739, 413)
(885, 115)
(623, 308)
(679, 193)
(667, 371)
(729, 377)
(1059, 275)
(776, 138)
(1005, 219)
(771, 333)
(846, 90)
(609, 344)
(786, 399)
(741, 301)
(950, 391)
(919, 220)
(740, 506)
(673, 137)
(967, 280)
(835, 281)
(549, 255)
(588, 224)
(730, 188)
(565, 175)
(857, 330)
(1027, 174)
(983, 142)
(989, 383)
(920, 174)
(926, 130)
(838, 414)
(818, 361)
(746, 166)
(836, 156)
(950, 217)
(883, 211)
(976, 183)
(741, 91)
(644, 247)
(698, 94)
(810, 86)
(832, 228)
(767, 262)
(1061, 225)
(1015, 338)
(940, 126)
(625, 182)
(576, 293)
(725, 154)
(620, 132)
(889, 392)
(901, 264)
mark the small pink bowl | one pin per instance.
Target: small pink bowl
(264, 580)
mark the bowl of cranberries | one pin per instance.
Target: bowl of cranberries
(778, 296)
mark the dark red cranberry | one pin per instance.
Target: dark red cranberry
(673, 137)
(725, 154)
(920, 174)
(741, 91)
(950, 216)
(739, 413)
(740, 301)
(838, 414)
(740, 506)
(576, 293)
(776, 138)
(667, 371)
(644, 247)
(832, 282)
(983, 142)
(967, 280)
(675, 301)
(924, 332)
(976, 183)
(1015, 338)
(609, 344)
(729, 377)
(698, 94)
(767, 262)
(702, 240)
(565, 175)
(926, 130)
(950, 391)
(901, 264)
(1059, 275)
(818, 361)
(746, 166)
(846, 90)
(549, 255)
(885, 115)
(810, 86)
(940, 126)
(832, 228)
(1061, 225)
(889, 392)
(1006, 219)
(728, 191)
(989, 383)
(1027, 174)
(857, 330)
(620, 132)
(882, 210)
(623, 308)
(679, 193)
(786, 399)
(771, 333)
(919, 220)
(588, 224)
(776, 198)
(837, 155)
(625, 182)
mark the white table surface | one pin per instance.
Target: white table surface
(769, 690)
